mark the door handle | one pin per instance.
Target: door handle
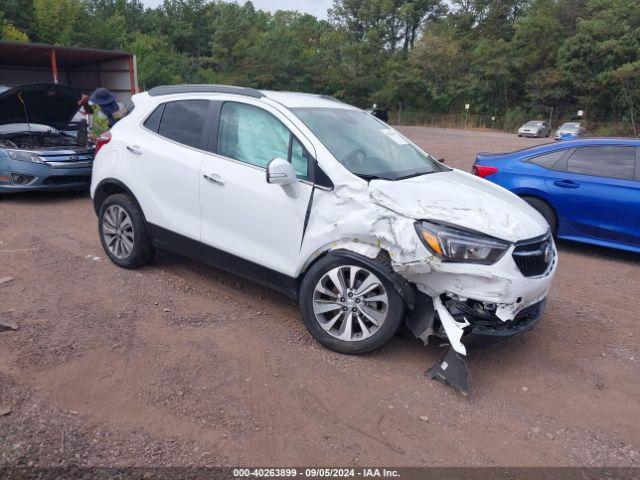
(135, 149)
(565, 184)
(214, 178)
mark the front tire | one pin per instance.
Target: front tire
(123, 232)
(350, 306)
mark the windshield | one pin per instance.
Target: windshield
(532, 124)
(366, 146)
(570, 126)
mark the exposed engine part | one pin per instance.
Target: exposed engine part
(38, 141)
(5, 143)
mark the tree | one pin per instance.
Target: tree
(55, 21)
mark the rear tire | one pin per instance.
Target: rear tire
(342, 318)
(546, 210)
(123, 232)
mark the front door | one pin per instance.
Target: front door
(242, 214)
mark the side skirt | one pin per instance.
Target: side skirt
(164, 239)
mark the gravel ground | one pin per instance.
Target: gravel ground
(182, 364)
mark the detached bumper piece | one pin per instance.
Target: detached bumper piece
(470, 324)
(451, 370)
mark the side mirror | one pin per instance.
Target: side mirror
(281, 172)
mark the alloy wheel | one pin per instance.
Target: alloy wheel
(117, 230)
(350, 303)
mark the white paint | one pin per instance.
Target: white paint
(263, 222)
(454, 329)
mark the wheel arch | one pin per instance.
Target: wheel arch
(111, 186)
(370, 255)
(534, 195)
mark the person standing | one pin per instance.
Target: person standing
(104, 99)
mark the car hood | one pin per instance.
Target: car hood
(47, 104)
(461, 199)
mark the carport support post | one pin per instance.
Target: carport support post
(132, 75)
(54, 66)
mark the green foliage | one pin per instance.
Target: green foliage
(57, 21)
(508, 58)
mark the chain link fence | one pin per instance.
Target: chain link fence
(504, 123)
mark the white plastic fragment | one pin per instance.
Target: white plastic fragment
(453, 329)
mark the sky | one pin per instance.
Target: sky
(314, 7)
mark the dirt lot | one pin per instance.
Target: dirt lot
(181, 364)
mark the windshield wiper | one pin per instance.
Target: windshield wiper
(414, 174)
(368, 178)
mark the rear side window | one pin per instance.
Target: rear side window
(183, 121)
(604, 161)
(153, 121)
(547, 160)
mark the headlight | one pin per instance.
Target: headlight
(457, 245)
(25, 156)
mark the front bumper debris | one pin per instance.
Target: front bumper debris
(451, 370)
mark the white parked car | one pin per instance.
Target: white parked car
(327, 204)
(569, 131)
(535, 128)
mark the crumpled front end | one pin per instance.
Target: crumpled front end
(458, 301)
(481, 305)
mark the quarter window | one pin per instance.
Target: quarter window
(604, 161)
(153, 121)
(547, 160)
(183, 121)
(252, 135)
(299, 158)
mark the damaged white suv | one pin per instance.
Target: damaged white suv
(327, 204)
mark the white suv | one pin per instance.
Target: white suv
(326, 204)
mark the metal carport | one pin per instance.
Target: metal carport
(83, 68)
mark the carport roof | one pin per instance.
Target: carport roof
(39, 55)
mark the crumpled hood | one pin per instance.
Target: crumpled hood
(459, 198)
(47, 104)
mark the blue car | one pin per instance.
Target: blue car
(35, 151)
(588, 190)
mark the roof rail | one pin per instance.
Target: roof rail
(204, 88)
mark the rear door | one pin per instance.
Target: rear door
(167, 154)
(596, 193)
(242, 214)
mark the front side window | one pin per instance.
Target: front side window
(252, 135)
(183, 121)
(604, 161)
(366, 146)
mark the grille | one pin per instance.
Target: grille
(67, 179)
(534, 256)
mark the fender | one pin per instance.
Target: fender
(110, 186)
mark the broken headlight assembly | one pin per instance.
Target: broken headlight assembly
(454, 244)
(24, 156)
